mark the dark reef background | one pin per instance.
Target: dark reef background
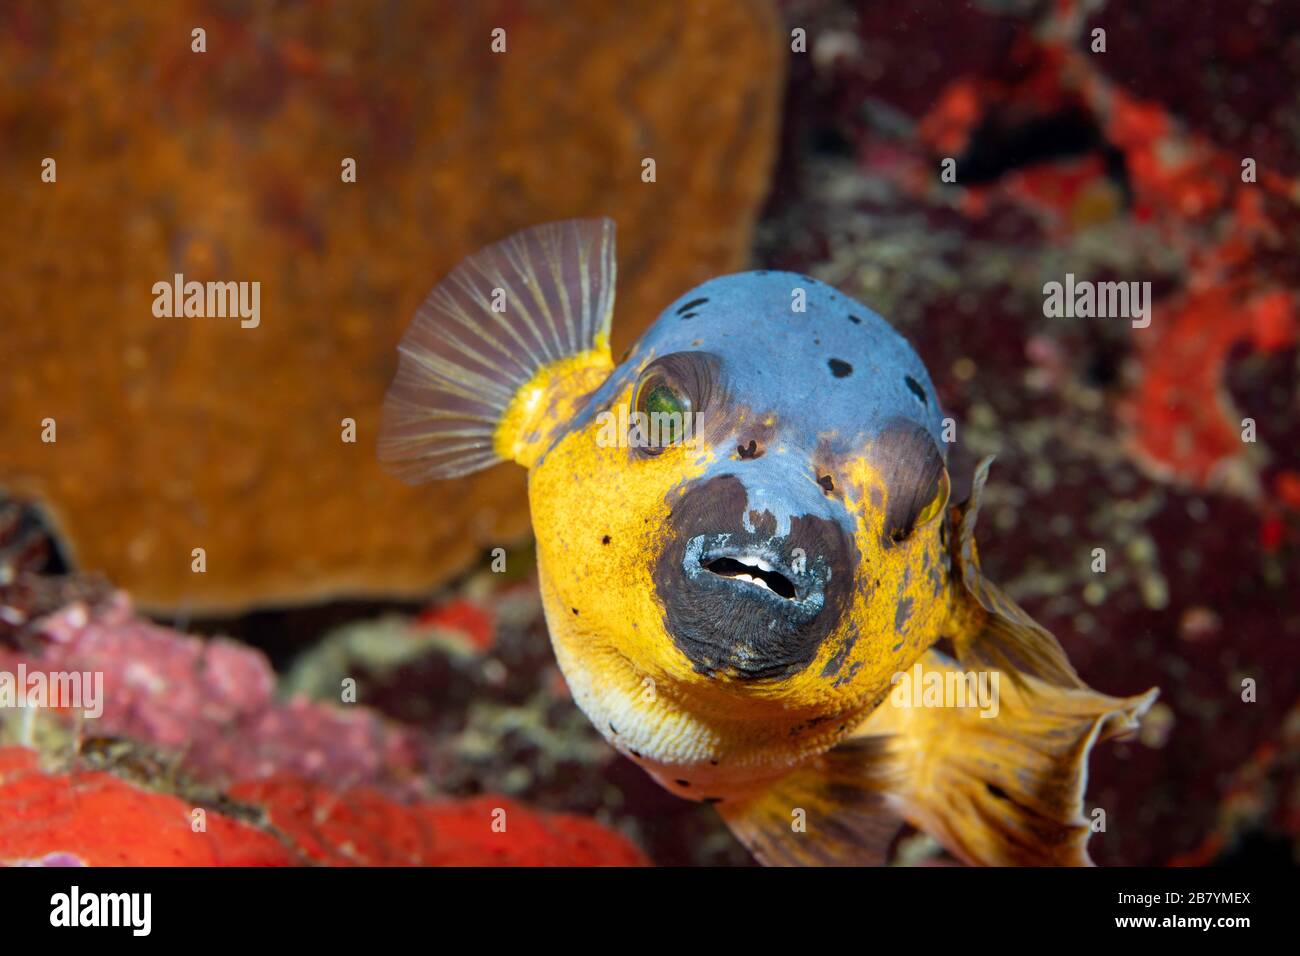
(1125, 164)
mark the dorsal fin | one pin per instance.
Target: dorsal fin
(511, 332)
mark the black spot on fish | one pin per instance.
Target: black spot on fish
(613, 730)
(827, 484)
(714, 762)
(996, 791)
(683, 783)
(853, 672)
(837, 661)
(839, 368)
(689, 315)
(893, 650)
(712, 799)
(574, 610)
(903, 612)
(917, 390)
(749, 451)
(763, 522)
(635, 753)
(855, 320)
(689, 306)
(605, 540)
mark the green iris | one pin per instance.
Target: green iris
(666, 410)
(663, 399)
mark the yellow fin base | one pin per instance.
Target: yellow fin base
(549, 400)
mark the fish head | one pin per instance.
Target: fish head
(774, 554)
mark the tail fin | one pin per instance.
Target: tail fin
(1006, 789)
(500, 350)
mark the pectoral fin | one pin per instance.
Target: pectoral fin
(501, 351)
(1005, 789)
(831, 812)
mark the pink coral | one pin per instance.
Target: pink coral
(213, 704)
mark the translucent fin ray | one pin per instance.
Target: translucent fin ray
(831, 812)
(1003, 786)
(997, 633)
(462, 363)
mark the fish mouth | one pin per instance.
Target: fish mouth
(757, 569)
(754, 570)
(744, 595)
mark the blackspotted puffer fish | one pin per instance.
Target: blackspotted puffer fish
(735, 597)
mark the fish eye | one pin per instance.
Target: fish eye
(665, 405)
(668, 399)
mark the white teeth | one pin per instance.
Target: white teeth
(755, 562)
(759, 581)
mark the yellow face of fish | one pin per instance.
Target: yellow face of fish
(735, 589)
